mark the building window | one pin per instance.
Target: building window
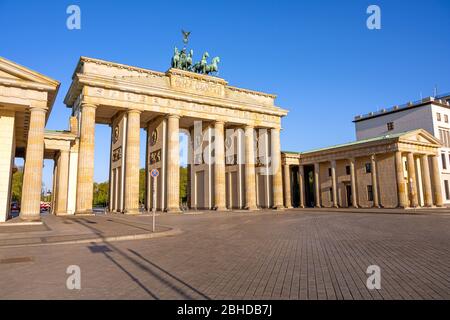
(445, 118)
(329, 172)
(438, 116)
(331, 195)
(444, 136)
(444, 162)
(369, 193)
(347, 170)
(368, 167)
(447, 191)
(390, 126)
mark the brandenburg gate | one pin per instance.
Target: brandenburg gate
(234, 158)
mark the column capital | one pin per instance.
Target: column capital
(219, 122)
(134, 111)
(88, 105)
(173, 116)
(38, 109)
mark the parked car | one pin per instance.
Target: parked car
(15, 207)
(45, 206)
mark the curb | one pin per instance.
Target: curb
(131, 237)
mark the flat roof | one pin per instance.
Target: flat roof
(443, 100)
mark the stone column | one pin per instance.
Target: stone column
(412, 180)
(402, 196)
(334, 184)
(426, 180)
(34, 160)
(373, 165)
(436, 182)
(173, 163)
(277, 179)
(62, 182)
(132, 162)
(219, 167)
(287, 186)
(301, 187)
(85, 176)
(250, 183)
(353, 183)
(317, 184)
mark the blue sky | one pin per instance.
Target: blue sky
(317, 56)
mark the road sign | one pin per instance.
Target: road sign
(154, 173)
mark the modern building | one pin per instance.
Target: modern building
(431, 114)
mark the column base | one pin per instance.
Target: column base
(220, 209)
(131, 212)
(174, 210)
(251, 208)
(85, 213)
(30, 217)
(278, 208)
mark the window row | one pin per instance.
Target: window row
(439, 118)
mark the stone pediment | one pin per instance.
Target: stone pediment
(420, 136)
(13, 74)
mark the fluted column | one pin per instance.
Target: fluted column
(132, 162)
(219, 167)
(62, 182)
(373, 165)
(85, 176)
(412, 180)
(173, 163)
(277, 179)
(436, 182)
(334, 184)
(426, 180)
(34, 160)
(250, 183)
(402, 196)
(353, 183)
(287, 186)
(301, 187)
(317, 184)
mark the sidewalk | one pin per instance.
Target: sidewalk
(85, 229)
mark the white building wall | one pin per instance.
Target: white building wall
(7, 152)
(405, 120)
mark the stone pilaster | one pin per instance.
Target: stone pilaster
(426, 180)
(62, 182)
(436, 182)
(173, 163)
(412, 180)
(373, 165)
(219, 167)
(353, 183)
(85, 176)
(334, 184)
(132, 162)
(317, 184)
(34, 160)
(402, 196)
(287, 186)
(301, 182)
(277, 179)
(250, 183)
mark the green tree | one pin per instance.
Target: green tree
(183, 184)
(101, 194)
(17, 185)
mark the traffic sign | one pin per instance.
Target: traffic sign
(154, 173)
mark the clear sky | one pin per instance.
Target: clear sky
(319, 57)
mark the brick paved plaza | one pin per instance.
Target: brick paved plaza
(240, 255)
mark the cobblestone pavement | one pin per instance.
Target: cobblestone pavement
(265, 255)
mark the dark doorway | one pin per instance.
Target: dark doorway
(348, 192)
(295, 187)
(310, 199)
